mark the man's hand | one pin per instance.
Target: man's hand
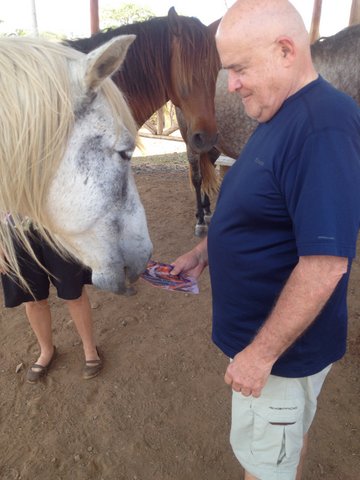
(248, 373)
(192, 263)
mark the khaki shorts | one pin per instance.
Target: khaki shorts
(267, 432)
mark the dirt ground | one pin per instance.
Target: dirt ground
(160, 409)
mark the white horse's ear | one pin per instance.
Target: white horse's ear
(102, 62)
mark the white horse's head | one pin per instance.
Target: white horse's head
(68, 161)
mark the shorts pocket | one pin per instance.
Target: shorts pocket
(277, 432)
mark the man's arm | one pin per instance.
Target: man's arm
(307, 290)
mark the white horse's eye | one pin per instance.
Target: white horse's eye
(125, 154)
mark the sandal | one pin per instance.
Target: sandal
(33, 376)
(92, 368)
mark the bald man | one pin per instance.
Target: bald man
(282, 238)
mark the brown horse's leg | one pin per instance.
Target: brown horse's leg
(206, 208)
(196, 180)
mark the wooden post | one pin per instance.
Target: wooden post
(94, 16)
(315, 21)
(160, 121)
(355, 13)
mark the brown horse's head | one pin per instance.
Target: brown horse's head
(173, 58)
(194, 67)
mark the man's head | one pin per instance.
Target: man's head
(265, 47)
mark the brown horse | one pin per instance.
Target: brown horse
(203, 174)
(171, 59)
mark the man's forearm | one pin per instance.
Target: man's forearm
(306, 292)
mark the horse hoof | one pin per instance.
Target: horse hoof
(201, 230)
(207, 219)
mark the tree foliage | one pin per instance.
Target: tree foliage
(125, 14)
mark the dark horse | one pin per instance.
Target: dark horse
(336, 58)
(171, 59)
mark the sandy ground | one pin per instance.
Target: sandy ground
(160, 409)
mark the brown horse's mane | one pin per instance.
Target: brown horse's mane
(196, 44)
(146, 70)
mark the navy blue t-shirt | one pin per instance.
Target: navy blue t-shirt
(294, 191)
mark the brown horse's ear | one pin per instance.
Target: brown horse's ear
(102, 62)
(174, 24)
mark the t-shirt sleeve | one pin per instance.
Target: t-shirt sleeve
(322, 190)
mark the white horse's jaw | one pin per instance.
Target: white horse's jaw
(109, 281)
(116, 248)
(119, 277)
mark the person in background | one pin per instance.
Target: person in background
(282, 238)
(69, 279)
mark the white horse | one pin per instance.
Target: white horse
(66, 138)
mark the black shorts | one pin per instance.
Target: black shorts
(68, 277)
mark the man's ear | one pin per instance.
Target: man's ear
(287, 49)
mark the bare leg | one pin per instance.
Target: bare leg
(39, 316)
(302, 457)
(249, 477)
(80, 311)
